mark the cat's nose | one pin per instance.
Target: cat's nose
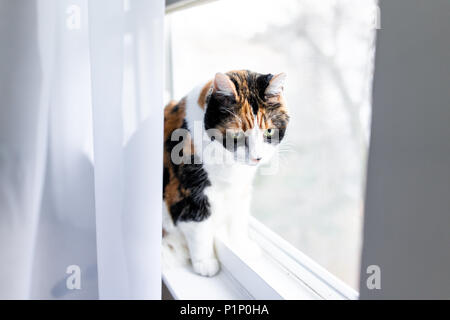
(258, 159)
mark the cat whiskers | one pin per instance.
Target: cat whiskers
(284, 150)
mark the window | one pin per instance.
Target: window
(315, 201)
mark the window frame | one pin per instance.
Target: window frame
(281, 272)
(174, 5)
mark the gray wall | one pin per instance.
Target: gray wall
(407, 216)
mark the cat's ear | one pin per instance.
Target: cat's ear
(223, 85)
(276, 84)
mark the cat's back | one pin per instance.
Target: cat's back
(189, 109)
(174, 117)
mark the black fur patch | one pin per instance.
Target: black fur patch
(193, 181)
(253, 100)
(280, 121)
(257, 84)
(216, 113)
(166, 177)
(262, 83)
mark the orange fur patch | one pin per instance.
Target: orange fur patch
(174, 115)
(202, 97)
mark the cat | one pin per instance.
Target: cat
(214, 140)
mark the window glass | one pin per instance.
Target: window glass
(326, 48)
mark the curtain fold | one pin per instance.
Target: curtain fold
(81, 123)
(25, 70)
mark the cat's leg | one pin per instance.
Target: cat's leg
(200, 239)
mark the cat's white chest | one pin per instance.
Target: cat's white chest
(230, 190)
(232, 176)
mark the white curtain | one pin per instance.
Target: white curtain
(81, 96)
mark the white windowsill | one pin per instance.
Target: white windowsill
(281, 272)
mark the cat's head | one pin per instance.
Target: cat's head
(249, 112)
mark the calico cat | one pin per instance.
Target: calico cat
(214, 139)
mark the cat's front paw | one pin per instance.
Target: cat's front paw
(206, 267)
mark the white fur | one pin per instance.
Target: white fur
(229, 194)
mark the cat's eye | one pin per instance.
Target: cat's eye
(269, 133)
